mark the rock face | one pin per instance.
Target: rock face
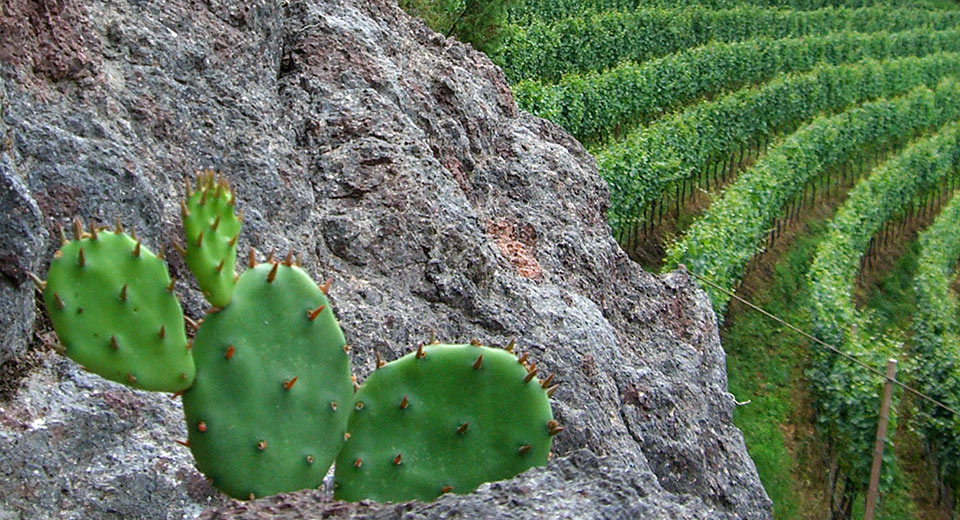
(397, 162)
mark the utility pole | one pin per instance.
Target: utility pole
(881, 439)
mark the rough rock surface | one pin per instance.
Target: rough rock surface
(397, 162)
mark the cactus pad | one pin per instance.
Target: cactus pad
(269, 407)
(211, 228)
(444, 419)
(112, 305)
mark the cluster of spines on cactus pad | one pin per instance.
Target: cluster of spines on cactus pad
(266, 385)
(211, 228)
(112, 305)
(444, 418)
(269, 407)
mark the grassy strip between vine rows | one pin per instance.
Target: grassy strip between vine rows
(599, 41)
(847, 396)
(528, 11)
(936, 341)
(722, 241)
(764, 365)
(643, 166)
(595, 106)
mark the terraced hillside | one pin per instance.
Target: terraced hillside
(786, 143)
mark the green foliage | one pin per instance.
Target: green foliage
(270, 403)
(211, 228)
(937, 311)
(895, 504)
(529, 11)
(545, 51)
(920, 168)
(765, 362)
(596, 106)
(847, 396)
(936, 339)
(437, 14)
(649, 161)
(526, 12)
(602, 68)
(480, 23)
(890, 305)
(724, 239)
(112, 305)
(444, 418)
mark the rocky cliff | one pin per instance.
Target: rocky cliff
(397, 163)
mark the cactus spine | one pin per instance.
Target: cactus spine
(112, 305)
(444, 418)
(211, 227)
(270, 403)
(267, 392)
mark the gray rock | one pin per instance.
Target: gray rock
(397, 162)
(22, 240)
(74, 446)
(578, 486)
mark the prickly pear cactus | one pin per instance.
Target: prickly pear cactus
(445, 418)
(211, 228)
(112, 305)
(269, 407)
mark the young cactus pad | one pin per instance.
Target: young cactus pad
(445, 418)
(211, 228)
(269, 406)
(112, 305)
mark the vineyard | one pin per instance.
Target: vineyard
(801, 146)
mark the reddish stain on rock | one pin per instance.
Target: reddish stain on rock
(517, 246)
(49, 39)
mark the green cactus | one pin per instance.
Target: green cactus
(267, 391)
(444, 418)
(269, 407)
(112, 305)
(211, 228)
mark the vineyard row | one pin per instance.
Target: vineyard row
(674, 151)
(599, 106)
(936, 343)
(721, 242)
(846, 398)
(547, 51)
(529, 11)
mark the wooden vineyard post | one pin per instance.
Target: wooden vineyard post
(881, 439)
